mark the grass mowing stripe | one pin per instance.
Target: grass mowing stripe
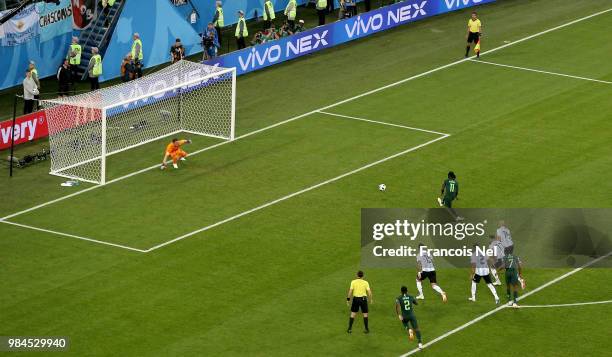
(321, 109)
(471, 322)
(74, 236)
(541, 71)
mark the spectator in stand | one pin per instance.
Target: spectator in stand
(299, 27)
(137, 55)
(218, 21)
(29, 91)
(94, 69)
(127, 68)
(321, 8)
(268, 14)
(177, 51)
(291, 12)
(74, 58)
(34, 72)
(210, 41)
(241, 30)
(64, 78)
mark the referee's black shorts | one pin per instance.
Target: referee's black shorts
(473, 37)
(360, 303)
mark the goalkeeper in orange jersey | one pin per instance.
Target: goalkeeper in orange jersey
(174, 151)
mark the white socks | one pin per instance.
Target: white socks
(473, 290)
(419, 287)
(438, 289)
(492, 288)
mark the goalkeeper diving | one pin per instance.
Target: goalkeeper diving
(174, 151)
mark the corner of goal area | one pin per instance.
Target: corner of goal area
(379, 122)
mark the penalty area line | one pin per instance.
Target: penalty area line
(73, 236)
(481, 317)
(382, 123)
(297, 193)
(568, 305)
(541, 71)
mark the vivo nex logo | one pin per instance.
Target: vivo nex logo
(456, 4)
(139, 93)
(365, 25)
(259, 57)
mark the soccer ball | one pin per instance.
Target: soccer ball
(382, 187)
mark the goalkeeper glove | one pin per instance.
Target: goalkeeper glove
(188, 141)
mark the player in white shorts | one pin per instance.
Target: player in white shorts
(426, 270)
(480, 270)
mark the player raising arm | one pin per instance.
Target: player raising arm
(174, 151)
(405, 313)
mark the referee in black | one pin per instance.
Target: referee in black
(473, 33)
(360, 292)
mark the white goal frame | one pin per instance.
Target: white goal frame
(95, 110)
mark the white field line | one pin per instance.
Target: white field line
(544, 72)
(566, 305)
(319, 109)
(384, 123)
(503, 306)
(73, 236)
(297, 193)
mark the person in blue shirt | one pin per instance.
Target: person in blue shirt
(210, 41)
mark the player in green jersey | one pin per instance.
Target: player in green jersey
(405, 313)
(514, 272)
(449, 193)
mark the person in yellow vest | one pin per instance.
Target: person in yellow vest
(291, 12)
(137, 55)
(241, 30)
(268, 14)
(74, 58)
(95, 68)
(218, 21)
(107, 5)
(321, 8)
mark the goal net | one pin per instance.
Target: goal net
(85, 129)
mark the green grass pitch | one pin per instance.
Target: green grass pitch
(270, 223)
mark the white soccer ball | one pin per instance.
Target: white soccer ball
(382, 187)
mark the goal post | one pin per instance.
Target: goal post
(185, 97)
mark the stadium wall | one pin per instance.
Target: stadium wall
(334, 34)
(251, 8)
(159, 23)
